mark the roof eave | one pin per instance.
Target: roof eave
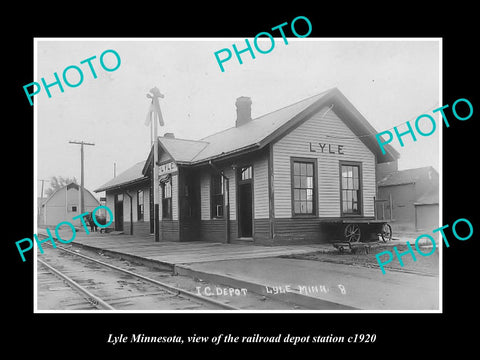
(147, 161)
(370, 141)
(236, 152)
(121, 185)
(397, 184)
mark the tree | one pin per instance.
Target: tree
(57, 182)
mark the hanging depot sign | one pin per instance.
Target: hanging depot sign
(167, 168)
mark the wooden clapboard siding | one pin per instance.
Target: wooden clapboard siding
(169, 230)
(140, 228)
(189, 230)
(298, 226)
(322, 127)
(212, 230)
(230, 174)
(175, 197)
(369, 187)
(205, 195)
(301, 230)
(146, 203)
(133, 193)
(205, 179)
(126, 207)
(261, 231)
(260, 187)
(132, 190)
(281, 181)
(110, 203)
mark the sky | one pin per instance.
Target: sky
(390, 81)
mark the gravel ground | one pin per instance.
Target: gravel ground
(423, 264)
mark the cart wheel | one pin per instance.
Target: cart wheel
(352, 233)
(386, 232)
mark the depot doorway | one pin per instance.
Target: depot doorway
(118, 212)
(245, 201)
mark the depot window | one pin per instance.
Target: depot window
(167, 199)
(140, 205)
(217, 196)
(246, 173)
(303, 186)
(351, 193)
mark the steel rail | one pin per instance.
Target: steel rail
(93, 299)
(172, 289)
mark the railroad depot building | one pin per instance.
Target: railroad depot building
(279, 178)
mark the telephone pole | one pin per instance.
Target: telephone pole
(82, 200)
(42, 180)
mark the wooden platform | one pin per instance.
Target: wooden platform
(187, 252)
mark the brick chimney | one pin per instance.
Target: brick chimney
(244, 110)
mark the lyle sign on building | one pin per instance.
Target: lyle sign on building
(167, 168)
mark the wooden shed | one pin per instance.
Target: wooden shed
(414, 194)
(274, 179)
(64, 204)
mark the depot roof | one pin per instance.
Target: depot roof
(407, 176)
(264, 129)
(256, 134)
(130, 176)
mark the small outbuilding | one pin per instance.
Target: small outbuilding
(414, 198)
(64, 204)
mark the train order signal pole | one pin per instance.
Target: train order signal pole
(82, 200)
(155, 114)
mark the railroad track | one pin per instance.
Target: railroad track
(109, 287)
(49, 285)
